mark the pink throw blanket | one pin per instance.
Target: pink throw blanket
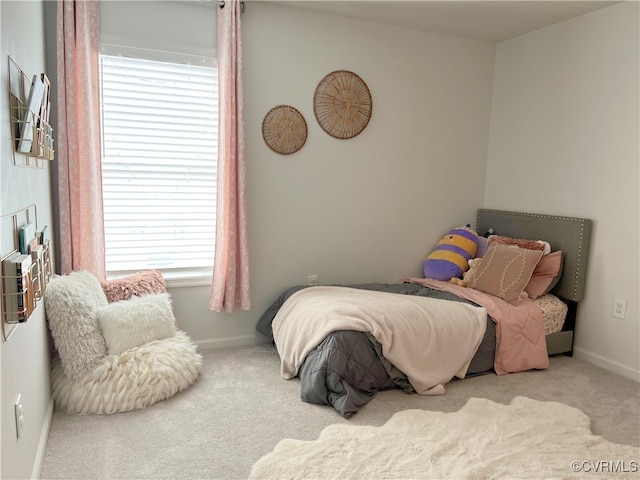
(428, 339)
(520, 338)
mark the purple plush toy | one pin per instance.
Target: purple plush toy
(451, 256)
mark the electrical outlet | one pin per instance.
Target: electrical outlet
(19, 414)
(312, 280)
(620, 308)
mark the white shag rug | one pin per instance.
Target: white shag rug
(135, 378)
(527, 439)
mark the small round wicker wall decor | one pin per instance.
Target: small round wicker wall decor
(284, 129)
(342, 104)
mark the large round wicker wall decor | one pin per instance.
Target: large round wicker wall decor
(342, 104)
(284, 129)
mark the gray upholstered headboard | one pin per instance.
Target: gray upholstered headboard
(571, 235)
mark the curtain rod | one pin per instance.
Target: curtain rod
(221, 5)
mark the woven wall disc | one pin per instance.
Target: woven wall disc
(284, 129)
(342, 104)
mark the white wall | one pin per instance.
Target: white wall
(361, 210)
(176, 26)
(24, 358)
(565, 140)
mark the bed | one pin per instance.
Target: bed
(347, 342)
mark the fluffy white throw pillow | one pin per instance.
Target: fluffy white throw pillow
(136, 321)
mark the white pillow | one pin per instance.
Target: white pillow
(136, 321)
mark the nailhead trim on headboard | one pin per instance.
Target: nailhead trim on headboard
(579, 241)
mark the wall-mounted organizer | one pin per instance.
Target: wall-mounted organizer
(29, 112)
(26, 269)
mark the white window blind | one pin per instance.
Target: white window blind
(159, 156)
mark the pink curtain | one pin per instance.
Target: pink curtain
(78, 154)
(230, 286)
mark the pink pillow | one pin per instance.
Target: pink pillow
(136, 284)
(546, 275)
(504, 271)
(518, 242)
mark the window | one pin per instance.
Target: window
(159, 155)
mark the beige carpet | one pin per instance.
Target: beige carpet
(240, 408)
(484, 439)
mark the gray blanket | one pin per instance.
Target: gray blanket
(347, 368)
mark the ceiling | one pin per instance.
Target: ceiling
(492, 21)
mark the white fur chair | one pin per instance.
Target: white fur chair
(114, 356)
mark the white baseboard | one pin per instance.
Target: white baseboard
(607, 364)
(239, 341)
(42, 444)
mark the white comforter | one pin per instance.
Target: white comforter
(430, 340)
